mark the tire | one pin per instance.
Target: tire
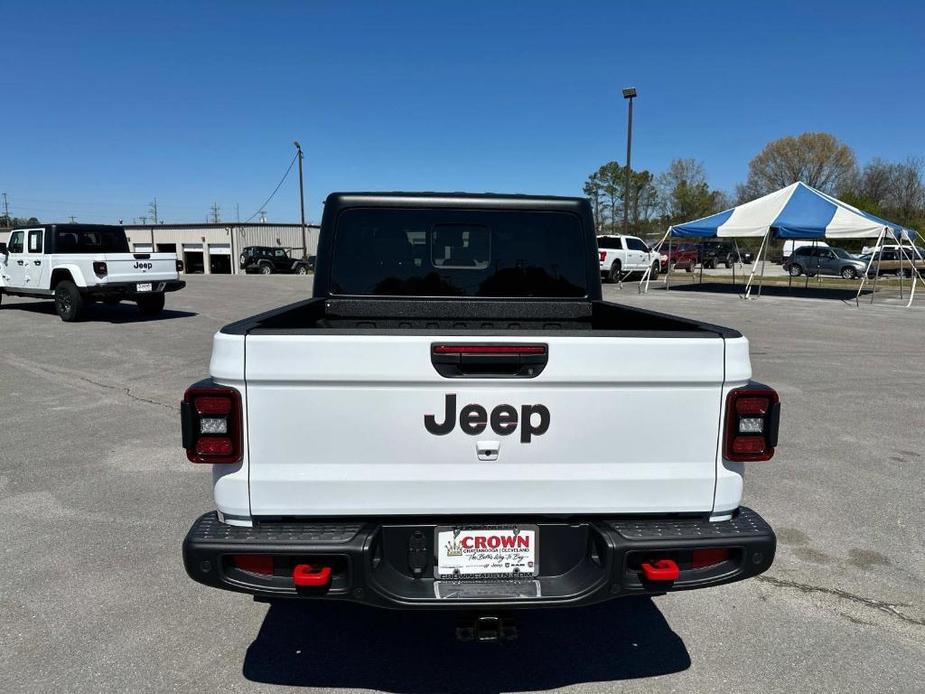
(69, 304)
(151, 305)
(655, 271)
(849, 273)
(243, 260)
(266, 269)
(614, 274)
(301, 270)
(690, 268)
(795, 270)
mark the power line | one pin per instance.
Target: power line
(278, 185)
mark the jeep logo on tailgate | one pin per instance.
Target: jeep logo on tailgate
(143, 266)
(473, 419)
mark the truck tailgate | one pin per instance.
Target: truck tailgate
(336, 426)
(141, 267)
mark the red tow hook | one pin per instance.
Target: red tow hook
(309, 576)
(661, 570)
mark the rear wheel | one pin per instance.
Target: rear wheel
(69, 303)
(266, 269)
(614, 275)
(795, 270)
(151, 305)
(655, 271)
(849, 273)
(301, 270)
(690, 267)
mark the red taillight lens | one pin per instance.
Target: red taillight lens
(255, 563)
(100, 269)
(708, 557)
(603, 255)
(214, 445)
(752, 419)
(489, 349)
(213, 405)
(211, 423)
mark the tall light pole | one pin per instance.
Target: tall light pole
(629, 94)
(302, 201)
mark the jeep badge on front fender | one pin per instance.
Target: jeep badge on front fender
(534, 420)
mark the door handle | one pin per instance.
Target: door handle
(19, 262)
(38, 262)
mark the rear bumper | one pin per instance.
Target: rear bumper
(130, 289)
(389, 563)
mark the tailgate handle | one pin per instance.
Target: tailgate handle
(489, 360)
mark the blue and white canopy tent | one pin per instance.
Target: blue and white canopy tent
(796, 212)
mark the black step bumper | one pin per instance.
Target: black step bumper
(130, 289)
(389, 563)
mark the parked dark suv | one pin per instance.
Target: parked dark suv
(716, 253)
(267, 260)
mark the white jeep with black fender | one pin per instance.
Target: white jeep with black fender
(457, 420)
(77, 264)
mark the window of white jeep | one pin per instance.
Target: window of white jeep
(16, 242)
(90, 239)
(479, 253)
(35, 241)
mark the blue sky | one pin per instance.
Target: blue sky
(106, 106)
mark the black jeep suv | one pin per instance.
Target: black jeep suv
(267, 260)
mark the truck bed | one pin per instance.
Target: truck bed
(456, 317)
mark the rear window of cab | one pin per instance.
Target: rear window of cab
(480, 253)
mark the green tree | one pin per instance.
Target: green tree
(684, 193)
(606, 189)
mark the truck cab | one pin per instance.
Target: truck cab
(77, 264)
(456, 419)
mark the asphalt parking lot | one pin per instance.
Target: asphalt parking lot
(96, 496)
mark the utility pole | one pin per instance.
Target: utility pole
(6, 209)
(152, 208)
(72, 218)
(629, 94)
(215, 213)
(302, 201)
(144, 220)
(237, 213)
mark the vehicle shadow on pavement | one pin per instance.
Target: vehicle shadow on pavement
(347, 645)
(810, 292)
(100, 313)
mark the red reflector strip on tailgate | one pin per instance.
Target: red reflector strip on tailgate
(489, 349)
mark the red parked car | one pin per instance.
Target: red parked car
(683, 256)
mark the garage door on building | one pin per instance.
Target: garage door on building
(192, 258)
(143, 248)
(220, 258)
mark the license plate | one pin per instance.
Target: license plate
(143, 287)
(487, 552)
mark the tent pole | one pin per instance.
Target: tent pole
(879, 253)
(648, 273)
(857, 299)
(737, 261)
(902, 270)
(700, 257)
(916, 275)
(806, 274)
(668, 274)
(748, 285)
(763, 260)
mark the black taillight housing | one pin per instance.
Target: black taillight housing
(210, 418)
(179, 266)
(100, 269)
(752, 424)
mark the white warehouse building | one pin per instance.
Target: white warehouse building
(214, 248)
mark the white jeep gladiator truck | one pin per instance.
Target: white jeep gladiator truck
(77, 264)
(457, 420)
